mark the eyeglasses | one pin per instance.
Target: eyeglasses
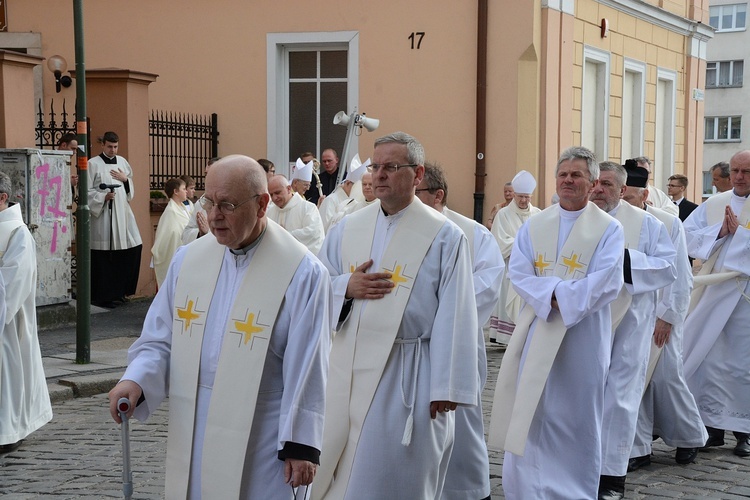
(225, 207)
(431, 190)
(673, 186)
(389, 167)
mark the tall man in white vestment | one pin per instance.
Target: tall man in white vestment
(24, 400)
(648, 267)
(566, 264)
(468, 474)
(717, 344)
(295, 214)
(245, 379)
(506, 224)
(405, 353)
(668, 408)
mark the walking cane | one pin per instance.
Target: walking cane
(123, 406)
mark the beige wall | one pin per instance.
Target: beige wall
(211, 57)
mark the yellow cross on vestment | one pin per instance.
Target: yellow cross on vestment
(352, 268)
(187, 315)
(540, 264)
(397, 278)
(247, 328)
(747, 226)
(572, 263)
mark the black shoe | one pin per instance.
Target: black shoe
(743, 444)
(611, 487)
(7, 448)
(685, 455)
(636, 463)
(715, 437)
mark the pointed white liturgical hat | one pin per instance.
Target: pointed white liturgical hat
(357, 173)
(523, 183)
(303, 171)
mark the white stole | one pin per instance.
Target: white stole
(366, 340)
(517, 392)
(8, 227)
(631, 219)
(242, 357)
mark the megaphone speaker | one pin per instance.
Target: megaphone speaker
(341, 118)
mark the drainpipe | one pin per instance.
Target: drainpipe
(481, 112)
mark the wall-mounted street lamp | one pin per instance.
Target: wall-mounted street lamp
(353, 124)
(58, 65)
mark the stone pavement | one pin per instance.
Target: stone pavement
(78, 454)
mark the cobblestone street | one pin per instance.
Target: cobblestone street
(78, 455)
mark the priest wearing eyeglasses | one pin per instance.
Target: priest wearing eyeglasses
(405, 352)
(245, 380)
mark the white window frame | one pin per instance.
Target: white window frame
(601, 59)
(278, 46)
(716, 84)
(729, 129)
(721, 9)
(636, 111)
(664, 135)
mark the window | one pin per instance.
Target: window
(633, 108)
(595, 102)
(724, 74)
(310, 76)
(664, 126)
(728, 17)
(723, 128)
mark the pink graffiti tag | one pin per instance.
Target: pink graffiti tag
(45, 190)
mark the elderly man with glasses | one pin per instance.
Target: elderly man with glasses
(245, 379)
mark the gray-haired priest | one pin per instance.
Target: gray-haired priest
(245, 378)
(567, 265)
(405, 354)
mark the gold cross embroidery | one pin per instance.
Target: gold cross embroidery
(187, 315)
(397, 278)
(572, 263)
(247, 328)
(352, 268)
(540, 264)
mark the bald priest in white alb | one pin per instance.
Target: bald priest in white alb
(245, 379)
(295, 214)
(506, 224)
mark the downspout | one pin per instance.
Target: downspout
(481, 112)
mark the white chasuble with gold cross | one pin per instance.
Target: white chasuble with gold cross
(241, 361)
(519, 388)
(361, 349)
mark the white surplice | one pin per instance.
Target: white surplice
(660, 199)
(716, 344)
(506, 224)
(124, 228)
(301, 219)
(441, 314)
(468, 476)
(291, 400)
(652, 267)
(668, 408)
(562, 457)
(330, 206)
(24, 400)
(168, 237)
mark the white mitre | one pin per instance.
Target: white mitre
(303, 171)
(523, 183)
(356, 174)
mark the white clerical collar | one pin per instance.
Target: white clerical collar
(678, 201)
(245, 250)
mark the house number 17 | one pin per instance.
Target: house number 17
(416, 39)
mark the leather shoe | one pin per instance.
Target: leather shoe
(715, 437)
(743, 445)
(685, 455)
(611, 488)
(636, 463)
(7, 448)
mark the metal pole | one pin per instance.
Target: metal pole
(344, 160)
(83, 214)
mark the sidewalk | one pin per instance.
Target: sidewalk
(112, 333)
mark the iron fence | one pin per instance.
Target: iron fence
(181, 144)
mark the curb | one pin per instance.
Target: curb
(66, 388)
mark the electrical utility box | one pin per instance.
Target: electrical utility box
(40, 181)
